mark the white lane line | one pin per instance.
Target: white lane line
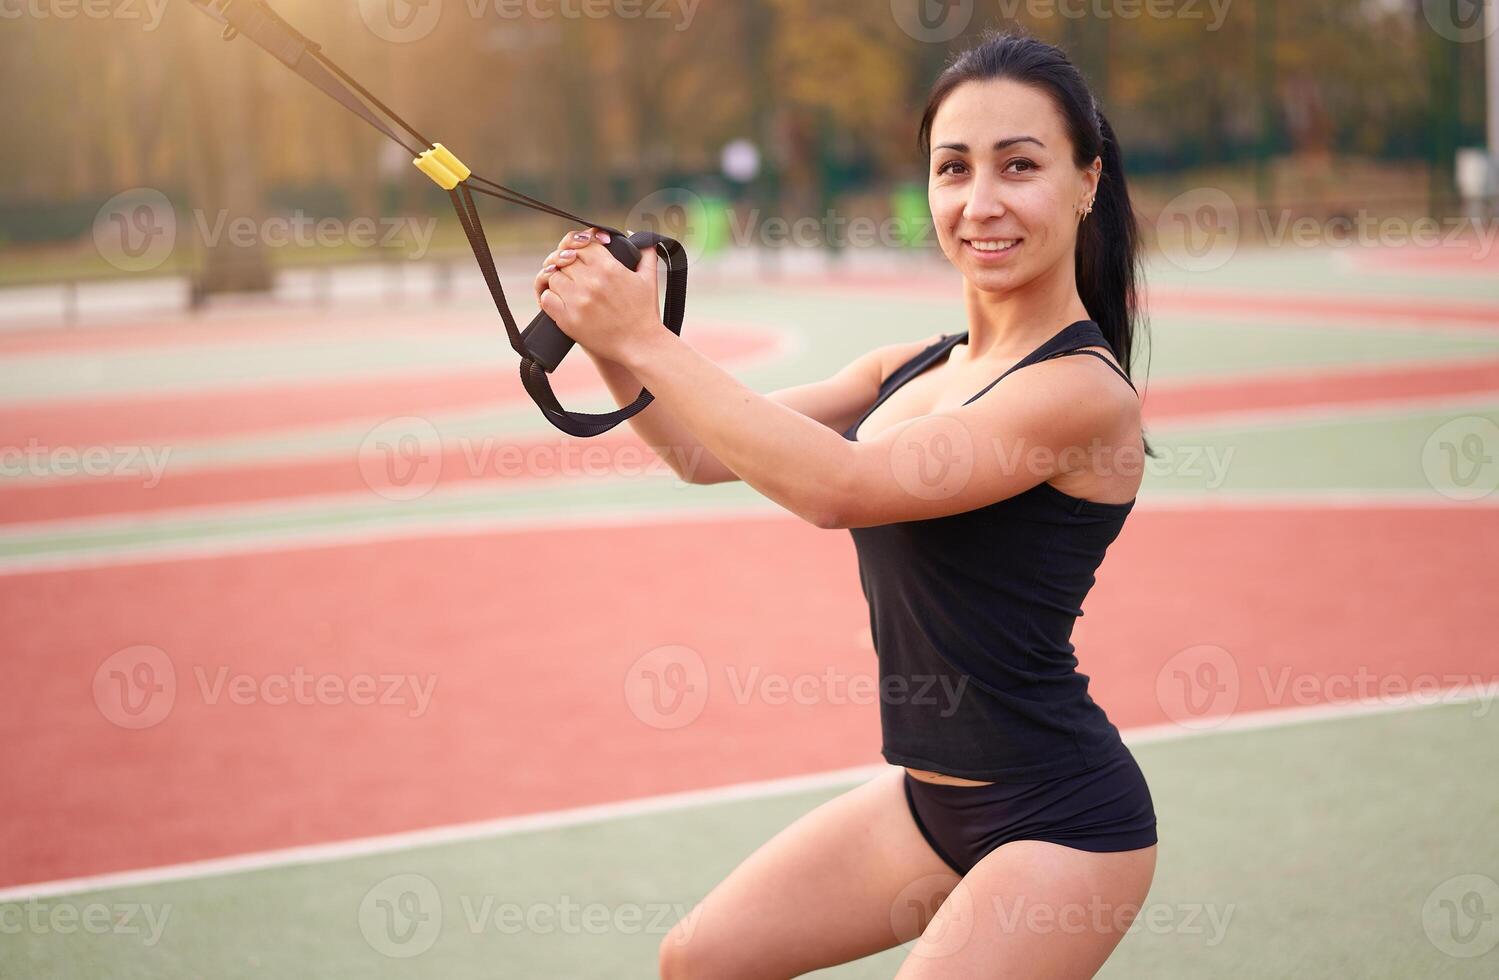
(671, 802)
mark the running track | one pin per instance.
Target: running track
(530, 710)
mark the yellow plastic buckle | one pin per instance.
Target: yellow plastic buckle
(446, 170)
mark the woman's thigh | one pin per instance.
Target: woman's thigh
(1031, 909)
(850, 878)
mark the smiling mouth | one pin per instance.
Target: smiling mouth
(992, 246)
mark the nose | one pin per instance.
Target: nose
(985, 200)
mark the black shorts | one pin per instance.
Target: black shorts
(1105, 808)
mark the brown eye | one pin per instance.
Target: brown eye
(1027, 163)
(946, 168)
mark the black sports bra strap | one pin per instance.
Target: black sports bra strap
(1071, 340)
(921, 361)
(1112, 366)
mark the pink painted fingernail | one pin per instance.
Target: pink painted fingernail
(581, 236)
(604, 237)
(549, 269)
(567, 253)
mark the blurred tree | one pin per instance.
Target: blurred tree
(226, 169)
(600, 112)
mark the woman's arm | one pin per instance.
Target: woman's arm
(1052, 418)
(1055, 417)
(835, 402)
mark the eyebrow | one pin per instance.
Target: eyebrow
(999, 147)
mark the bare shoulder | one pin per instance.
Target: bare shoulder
(1089, 377)
(1067, 401)
(884, 361)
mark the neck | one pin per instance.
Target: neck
(1009, 325)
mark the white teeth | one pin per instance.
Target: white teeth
(1001, 246)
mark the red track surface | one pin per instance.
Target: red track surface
(529, 712)
(152, 419)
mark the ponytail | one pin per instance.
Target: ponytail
(1109, 267)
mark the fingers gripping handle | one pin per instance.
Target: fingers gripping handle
(545, 340)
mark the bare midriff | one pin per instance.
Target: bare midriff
(926, 776)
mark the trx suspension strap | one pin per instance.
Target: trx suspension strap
(542, 345)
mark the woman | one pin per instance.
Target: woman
(980, 512)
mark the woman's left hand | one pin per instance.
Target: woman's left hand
(597, 301)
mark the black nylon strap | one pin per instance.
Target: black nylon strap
(264, 27)
(584, 424)
(536, 380)
(261, 25)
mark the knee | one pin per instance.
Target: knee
(685, 956)
(678, 959)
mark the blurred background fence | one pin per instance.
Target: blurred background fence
(144, 147)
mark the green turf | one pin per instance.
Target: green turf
(1305, 851)
(1370, 449)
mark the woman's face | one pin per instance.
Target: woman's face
(1004, 191)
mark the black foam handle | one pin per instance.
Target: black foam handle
(545, 341)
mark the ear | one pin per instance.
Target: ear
(1093, 175)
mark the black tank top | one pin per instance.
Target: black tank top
(972, 614)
